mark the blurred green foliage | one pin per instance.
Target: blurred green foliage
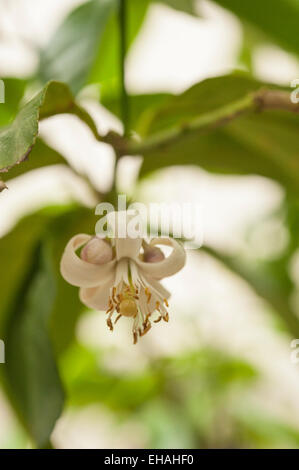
(277, 19)
(198, 399)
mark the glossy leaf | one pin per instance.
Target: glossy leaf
(139, 105)
(26, 279)
(38, 313)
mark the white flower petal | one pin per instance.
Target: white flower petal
(170, 265)
(96, 297)
(81, 273)
(127, 247)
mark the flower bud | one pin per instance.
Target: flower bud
(97, 251)
(153, 254)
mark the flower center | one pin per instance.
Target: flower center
(128, 308)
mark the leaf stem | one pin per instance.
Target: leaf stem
(263, 288)
(262, 100)
(125, 110)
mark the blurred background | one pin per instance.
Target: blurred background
(220, 373)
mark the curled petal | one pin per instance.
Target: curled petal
(81, 273)
(96, 297)
(170, 265)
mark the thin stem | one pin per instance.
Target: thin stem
(278, 300)
(123, 46)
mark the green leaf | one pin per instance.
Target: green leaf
(67, 306)
(14, 89)
(269, 280)
(139, 105)
(41, 156)
(2, 186)
(55, 225)
(277, 18)
(18, 139)
(85, 48)
(187, 6)
(73, 48)
(23, 239)
(215, 125)
(204, 97)
(89, 381)
(38, 312)
(30, 369)
(106, 65)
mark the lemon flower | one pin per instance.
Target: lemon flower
(122, 275)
